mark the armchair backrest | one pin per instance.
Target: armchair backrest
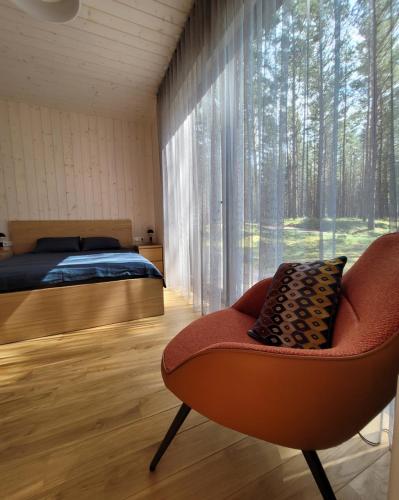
(369, 310)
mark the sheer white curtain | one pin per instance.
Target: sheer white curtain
(279, 135)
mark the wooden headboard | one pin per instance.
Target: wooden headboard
(24, 233)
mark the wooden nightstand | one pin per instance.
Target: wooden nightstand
(5, 253)
(154, 253)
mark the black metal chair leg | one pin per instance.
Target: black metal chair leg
(319, 475)
(172, 431)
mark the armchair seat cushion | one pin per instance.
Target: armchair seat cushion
(226, 326)
(228, 329)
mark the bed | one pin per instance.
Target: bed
(30, 271)
(46, 294)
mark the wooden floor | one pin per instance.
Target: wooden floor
(81, 415)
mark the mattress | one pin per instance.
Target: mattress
(31, 271)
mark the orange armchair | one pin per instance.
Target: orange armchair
(304, 399)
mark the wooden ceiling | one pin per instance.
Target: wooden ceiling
(108, 61)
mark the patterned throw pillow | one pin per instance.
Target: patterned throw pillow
(301, 304)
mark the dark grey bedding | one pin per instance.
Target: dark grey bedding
(30, 271)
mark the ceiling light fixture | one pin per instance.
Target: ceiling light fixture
(54, 11)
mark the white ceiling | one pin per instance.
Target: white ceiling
(109, 60)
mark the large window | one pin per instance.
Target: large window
(280, 139)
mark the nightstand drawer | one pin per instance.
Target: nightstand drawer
(5, 254)
(159, 265)
(152, 254)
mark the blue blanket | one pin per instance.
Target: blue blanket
(30, 271)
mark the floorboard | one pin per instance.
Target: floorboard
(81, 415)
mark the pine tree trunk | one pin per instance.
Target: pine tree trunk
(337, 85)
(393, 202)
(343, 196)
(319, 198)
(304, 176)
(294, 162)
(283, 124)
(371, 174)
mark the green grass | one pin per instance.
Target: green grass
(302, 238)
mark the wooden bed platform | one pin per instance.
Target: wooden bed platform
(38, 313)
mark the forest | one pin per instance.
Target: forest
(280, 143)
(330, 80)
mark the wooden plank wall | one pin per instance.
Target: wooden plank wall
(66, 165)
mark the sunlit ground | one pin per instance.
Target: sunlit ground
(302, 238)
